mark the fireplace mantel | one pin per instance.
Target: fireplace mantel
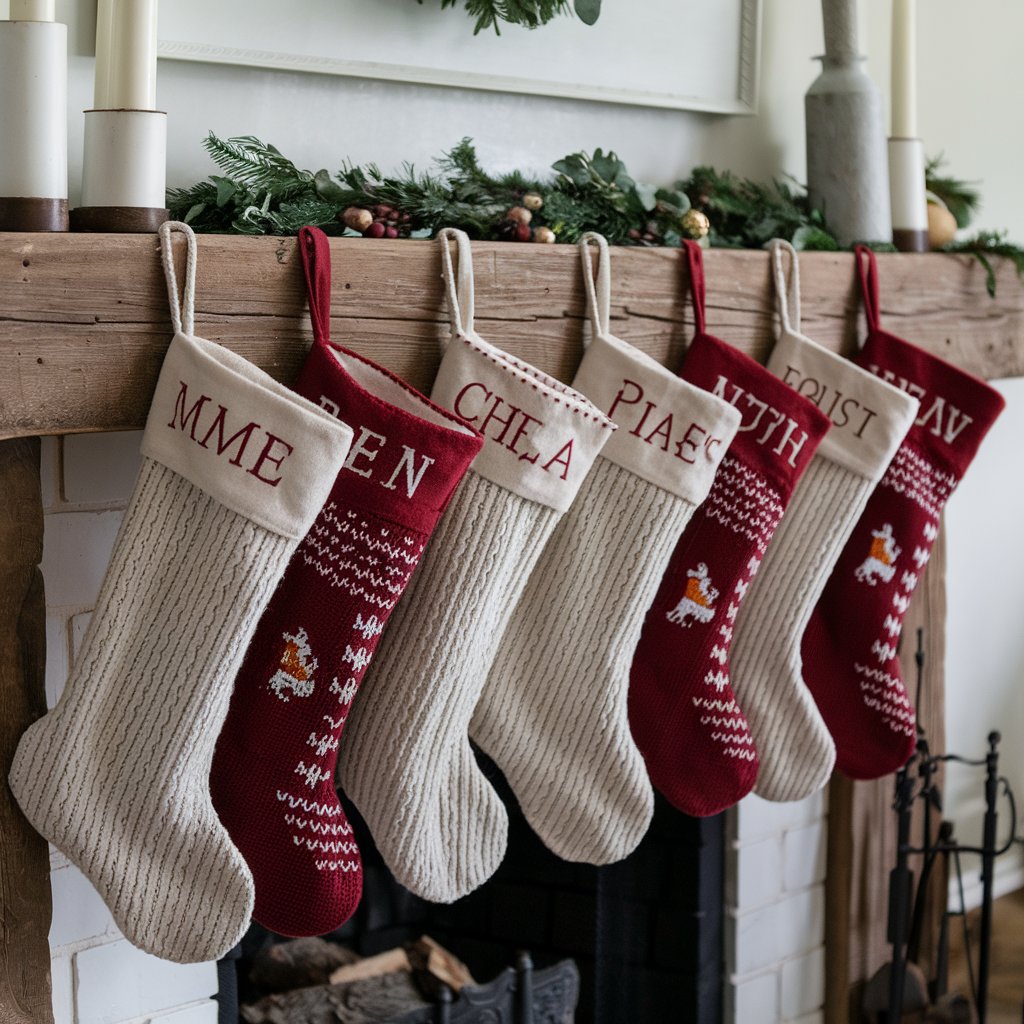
(84, 327)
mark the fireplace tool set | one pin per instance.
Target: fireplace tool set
(939, 849)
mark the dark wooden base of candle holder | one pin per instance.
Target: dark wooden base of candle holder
(22, 213)
(910, 239)
(130, 220)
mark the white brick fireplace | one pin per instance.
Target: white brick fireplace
(776, 853)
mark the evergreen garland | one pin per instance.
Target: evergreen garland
(530, 13)
(260, 191)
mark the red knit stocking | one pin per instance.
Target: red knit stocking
(273, 773)
(850, 646)
(682, 709)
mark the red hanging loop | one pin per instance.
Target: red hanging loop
(316, 264)
(867, 270)
(698, 289)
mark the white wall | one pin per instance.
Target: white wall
(971, 78)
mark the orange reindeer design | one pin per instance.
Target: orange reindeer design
(698, 600)
(296, 668)
(881, 560)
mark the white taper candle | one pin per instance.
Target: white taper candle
(33, 10)
(126, 55)
(904, 69)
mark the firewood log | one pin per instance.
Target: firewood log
(299, 963)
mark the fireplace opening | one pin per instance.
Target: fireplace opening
(646, 934)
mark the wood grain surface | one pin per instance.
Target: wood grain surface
(84, 322)
(24, 856)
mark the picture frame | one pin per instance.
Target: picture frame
(700, 55)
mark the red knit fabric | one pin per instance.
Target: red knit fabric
(272, 781)
(682, 710)
(850, 646)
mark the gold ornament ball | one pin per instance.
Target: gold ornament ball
(356, 218)
(543, 234)
(695, 223)
(941, 226)
(533, 201)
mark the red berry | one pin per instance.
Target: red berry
(375, 230)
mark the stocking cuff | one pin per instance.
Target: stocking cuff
(243, 438)
(408, 455)
(956, 409)
(540, 436)
(869, 417)
(779, 430)
(671, 433)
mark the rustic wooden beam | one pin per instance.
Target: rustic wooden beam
(85, 326)
(24, 856)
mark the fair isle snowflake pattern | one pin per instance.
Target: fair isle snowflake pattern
(296, 667)
(744, 502)
(880, 689)
(914, 477)
(719, 712)
(371, 562)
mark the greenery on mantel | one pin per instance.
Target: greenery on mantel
(261, 191)
(530, 13)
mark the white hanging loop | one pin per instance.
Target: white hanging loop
(460, 285)
(786, 296)
(182, 315)
(599, 289)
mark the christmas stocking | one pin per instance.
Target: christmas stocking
(407, 764)
(318, 634)
(682, 709)
(850, 645)
(235, 469)
(553, 713)
(869, 419)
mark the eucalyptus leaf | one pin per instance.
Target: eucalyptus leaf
(647, 194)
(326, 189)
(588, 11)
(573, 168)
(226, 189)
(810, 237)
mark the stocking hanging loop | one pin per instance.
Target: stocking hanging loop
(698, 290)
(460, 284)
(867, 270)
(787, 295)
(183, 313)
(599, 287)
(315, 251)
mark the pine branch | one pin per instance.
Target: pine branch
(257, 164)
(491, 13)
(983, 246)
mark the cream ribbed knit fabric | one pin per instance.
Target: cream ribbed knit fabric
(553, 714)
(407, 763)
(869, 419)
(192, 570)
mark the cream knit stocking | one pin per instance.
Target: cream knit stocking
(407, 763)
(869, 419)
(235, 469)
(553, 713)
